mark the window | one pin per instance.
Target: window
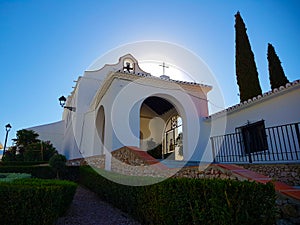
(172, 133)
(254, 138)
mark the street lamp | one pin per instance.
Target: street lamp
(7, 128)
(62, 101)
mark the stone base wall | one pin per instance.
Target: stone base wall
(132, 162)
(128, 156)
(137, 170)
(289, 210)
(96, 161)
(286, 173)
(126, 162)
(208, 171)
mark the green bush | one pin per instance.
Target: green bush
(58, 164)
(34, 201)
(188, 201)
(44, 172)
(21, 163)
(68, 189)
(8, 177)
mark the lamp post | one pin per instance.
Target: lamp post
(62, 101)
(7, 128)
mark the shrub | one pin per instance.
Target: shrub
(21, 163)
(58, 163)
(8, 177)
(188, 201)
(67, 188)
(34, 201)
(44, 172)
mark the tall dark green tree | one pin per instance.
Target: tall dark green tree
(246, 71)
(276, 73)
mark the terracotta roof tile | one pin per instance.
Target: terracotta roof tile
(258, 98)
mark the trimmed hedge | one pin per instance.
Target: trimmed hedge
(44, 172)
(21, 163)
(34, 201)
(188, 201)
(9, 177)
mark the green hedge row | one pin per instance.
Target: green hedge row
(188, 201)
(21, 163)
(9, 177)
(44, 172)
(34, 201)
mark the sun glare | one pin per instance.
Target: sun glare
(157, 69)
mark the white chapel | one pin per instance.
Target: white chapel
(121, 105)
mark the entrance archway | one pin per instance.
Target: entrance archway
(100, 125)
(161, 126)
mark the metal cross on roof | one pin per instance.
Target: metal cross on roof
(164, 66)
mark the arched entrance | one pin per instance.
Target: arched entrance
(100, 125)
(161, 129)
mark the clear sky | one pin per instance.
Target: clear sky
(46, 44)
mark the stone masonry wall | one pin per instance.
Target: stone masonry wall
(288, 210)
(96, 161)
(286, 173)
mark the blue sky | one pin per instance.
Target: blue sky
(45, 45)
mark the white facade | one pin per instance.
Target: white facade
(275, 108)
(122, 105)
(53, 132)
(111, 111)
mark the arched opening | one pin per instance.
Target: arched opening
(173, 145)
(161, 126)
(100, 125)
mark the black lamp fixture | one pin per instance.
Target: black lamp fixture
(7, 128)
(62, 101)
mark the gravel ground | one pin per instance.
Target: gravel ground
(88, 209)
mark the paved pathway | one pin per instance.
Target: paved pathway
(88, 209)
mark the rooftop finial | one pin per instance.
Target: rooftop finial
(164, 66)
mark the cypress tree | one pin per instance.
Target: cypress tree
(276, 73)
(246, 71)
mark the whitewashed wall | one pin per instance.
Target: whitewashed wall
(122, 103)
(53, 132)
(279, 107)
